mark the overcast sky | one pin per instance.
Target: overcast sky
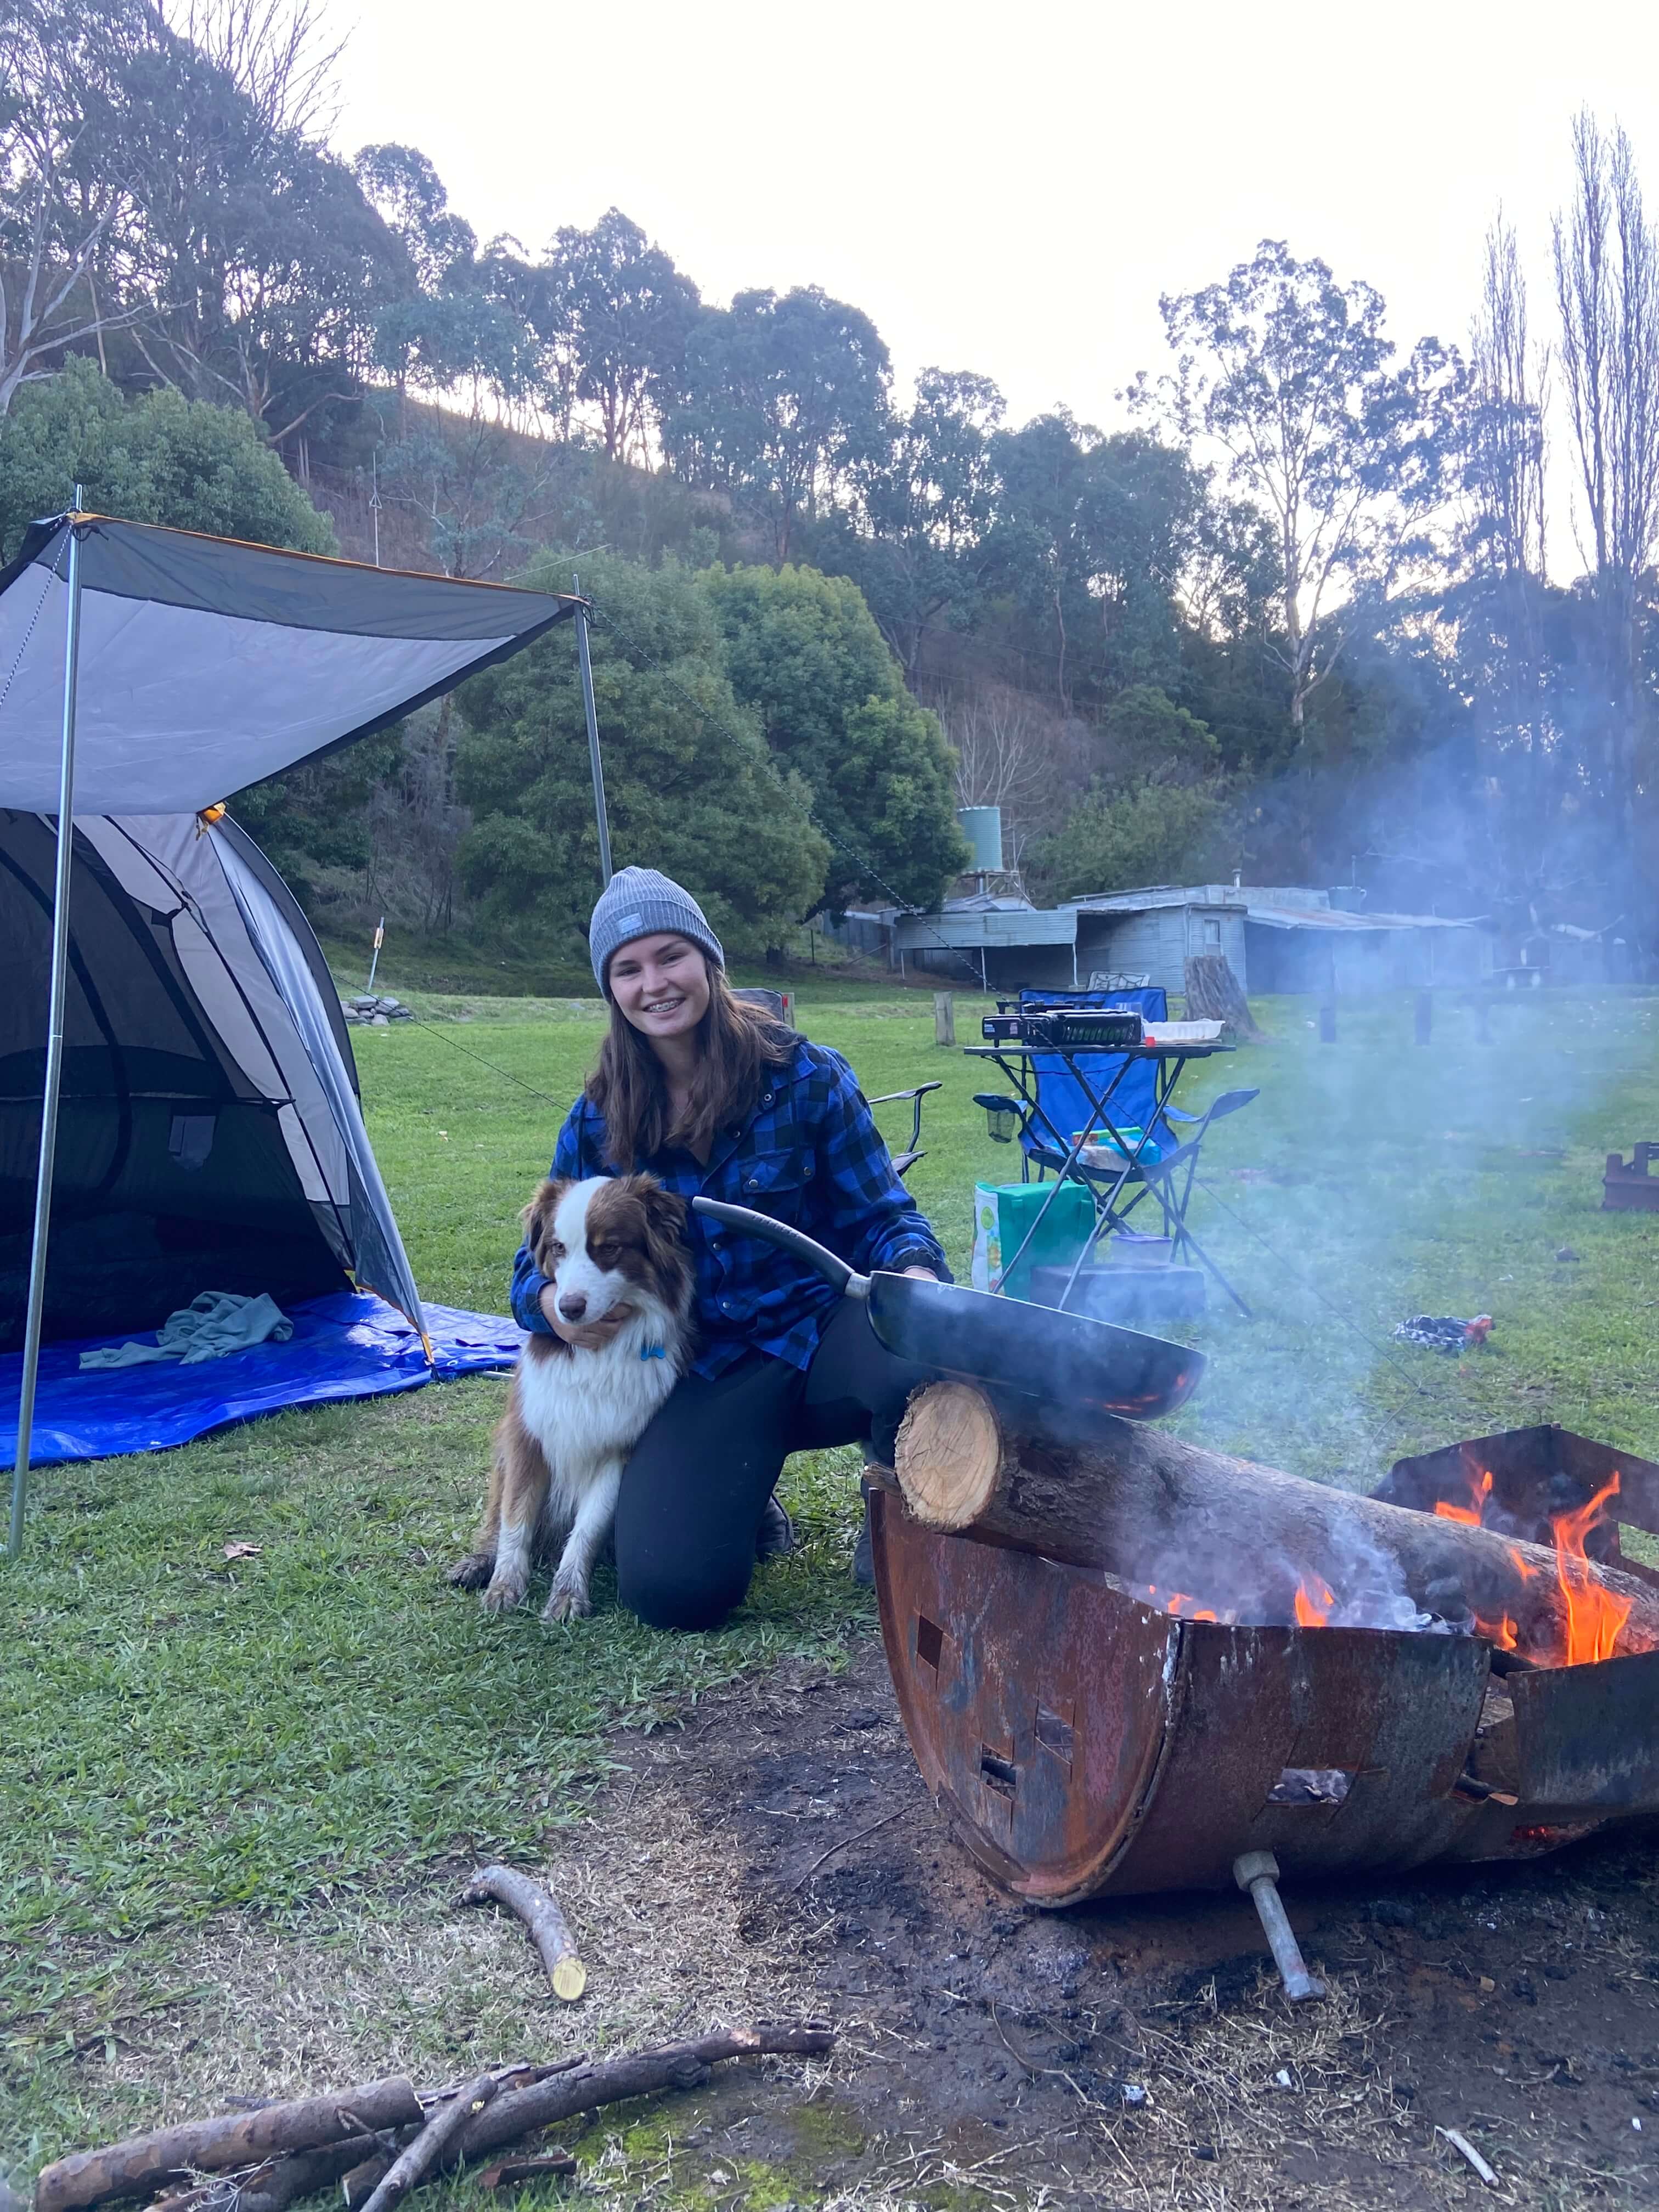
(1009, 189)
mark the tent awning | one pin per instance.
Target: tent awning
(206, 665)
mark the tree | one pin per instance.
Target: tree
(1607, 280)
(404, 190)
(689, 785)
(1288, 373)
(155, 459)
(803, 650)
(1143, 833)
(784, 401)
(1500, 607)
(625, 313)
(261, 262)
(928, 502)
(62, 114)
(1092, 536)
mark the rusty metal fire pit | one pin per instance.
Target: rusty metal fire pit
(1081, 1741)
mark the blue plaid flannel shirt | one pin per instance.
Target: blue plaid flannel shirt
(811, 1155)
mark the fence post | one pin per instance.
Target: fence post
(944, 1018)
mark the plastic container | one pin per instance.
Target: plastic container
(1104, 1150)
(1003, 1213)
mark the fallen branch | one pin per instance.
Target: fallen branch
(550, 1931)
(1466, 2149)
(413, 2164)
(637, 2073)
(137, 2166)
(476, 2122)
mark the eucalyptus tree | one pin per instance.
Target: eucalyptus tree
(64, 181)
(622, 312)
(1287, 375)
(928, 502)
(783, 405)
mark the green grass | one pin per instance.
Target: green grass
(305, 1733)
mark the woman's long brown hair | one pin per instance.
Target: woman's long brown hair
(736, 1043)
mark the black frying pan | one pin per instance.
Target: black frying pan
(1061, 1357)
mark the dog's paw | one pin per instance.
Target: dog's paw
(569, 1601)
(472, 1572)
(505, 1591)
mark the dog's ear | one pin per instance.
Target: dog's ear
(538, 1216)
(665, 1210)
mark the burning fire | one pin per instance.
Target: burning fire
(1470, 1514)
(1314, 1602)
(1593, 1616)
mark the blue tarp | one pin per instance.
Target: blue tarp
(1061, 1094)
(350, 1345)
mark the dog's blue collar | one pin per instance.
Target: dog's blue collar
(653, 1352)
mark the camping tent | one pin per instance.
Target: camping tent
(210, 1107)
(210, 1135)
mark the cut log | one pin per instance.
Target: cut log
(1214, 994)
(137, 2166)
(548, 1930)
(1166, 1517)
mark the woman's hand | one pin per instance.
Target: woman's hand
(922, 1274)
(585, 1335)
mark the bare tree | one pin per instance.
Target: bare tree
(1000, 760)
(55, 205)
(1607, 284)
(273, 51)
(1504, 481)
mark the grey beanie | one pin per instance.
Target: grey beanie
(638, 903)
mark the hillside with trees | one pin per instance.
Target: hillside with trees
(1291, 615)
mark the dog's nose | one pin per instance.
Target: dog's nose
(573, 1305)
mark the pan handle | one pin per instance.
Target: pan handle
(751, 1224)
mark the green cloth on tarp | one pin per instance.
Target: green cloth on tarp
(211, 1327)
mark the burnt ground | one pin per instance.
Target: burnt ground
(1139, 2051)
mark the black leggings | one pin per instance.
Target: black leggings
(693, 1492)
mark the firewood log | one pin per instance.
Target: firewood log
(137, 2168)
(1162, 1516)
(548, 1928)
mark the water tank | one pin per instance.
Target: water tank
(982, 827)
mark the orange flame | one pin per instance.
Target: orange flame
(1595, 1616)
(1313, 1604)
(1473, 1515)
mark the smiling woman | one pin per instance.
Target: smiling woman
(712, 1097)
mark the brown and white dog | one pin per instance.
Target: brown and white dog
(574, 1415)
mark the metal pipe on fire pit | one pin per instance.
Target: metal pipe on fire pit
(1257, 1872)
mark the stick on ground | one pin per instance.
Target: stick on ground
(550, 1931)
(137, 2166)
(412, 2165)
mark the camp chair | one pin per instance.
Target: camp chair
(903, 1161)
(1063, 1106)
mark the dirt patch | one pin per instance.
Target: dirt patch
(1122, 2053)
(775, 1853)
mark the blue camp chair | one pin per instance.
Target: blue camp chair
(1062, 1107)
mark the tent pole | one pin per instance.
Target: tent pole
(592, 735)
(60, 906)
